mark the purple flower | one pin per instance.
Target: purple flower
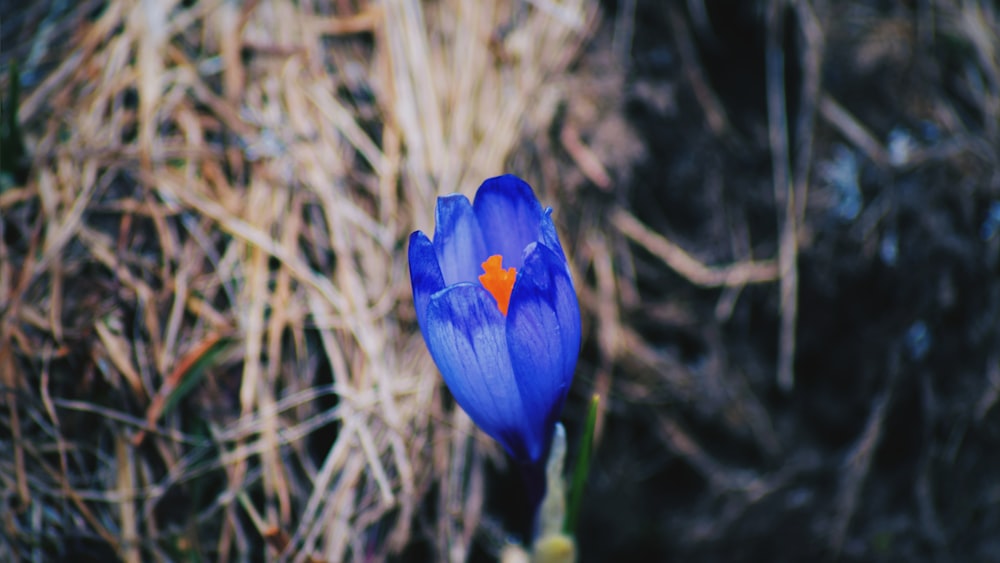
(498, 312)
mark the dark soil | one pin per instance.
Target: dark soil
(887, 447)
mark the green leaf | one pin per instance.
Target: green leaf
(195, 375)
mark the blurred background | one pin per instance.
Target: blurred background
(783, 217)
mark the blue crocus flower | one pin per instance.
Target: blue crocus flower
(498, 312)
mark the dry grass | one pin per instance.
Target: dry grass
(206, 332)
(207, 343)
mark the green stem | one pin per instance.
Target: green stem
(582, 468)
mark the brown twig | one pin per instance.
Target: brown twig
(857, 464)
(585, 158)
(853, 130)
(693, 270)
(715, 112)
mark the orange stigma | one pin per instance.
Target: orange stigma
(497, 281)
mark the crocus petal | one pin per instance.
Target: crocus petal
(509, 215)
(548, 235)
(425, 274)
(458, 241)
(465, 334)
(543, 333)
